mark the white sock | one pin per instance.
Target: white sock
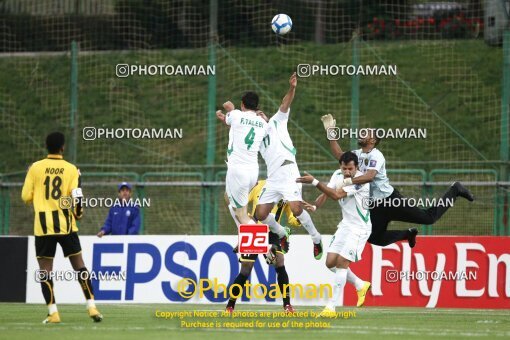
(274, 226)
(333, 269)
(353, 279)
(338, 288)
(91, 303)
(52, 309)
(307, 223)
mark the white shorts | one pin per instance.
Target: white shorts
(282, 185)
(239, 182)
(349, 242)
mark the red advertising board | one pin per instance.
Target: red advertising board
(253, 239)
(441, 271)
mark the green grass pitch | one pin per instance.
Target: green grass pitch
(138, 321)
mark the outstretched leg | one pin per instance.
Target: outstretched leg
(402, 211)
(412, 214)
(380, 236)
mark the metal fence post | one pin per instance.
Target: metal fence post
(503, 151)
(355, 89)
(208, 225)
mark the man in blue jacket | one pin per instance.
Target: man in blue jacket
(123, 218)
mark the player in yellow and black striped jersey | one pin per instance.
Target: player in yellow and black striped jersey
(282, 208)
(52, 185)
(48, 185)
(279, 210)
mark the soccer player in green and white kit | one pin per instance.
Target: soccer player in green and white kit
(388, 204)
(279, 154)
(245, 136)
(353, 230)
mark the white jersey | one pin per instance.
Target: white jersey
(374, 160)
(277, 146)
(355, 213)
(246, 133)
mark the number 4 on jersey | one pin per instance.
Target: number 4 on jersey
(250, 137)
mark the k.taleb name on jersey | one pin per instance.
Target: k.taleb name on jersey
(250, 122)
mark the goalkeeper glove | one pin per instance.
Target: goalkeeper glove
(328, 121)
(347, 181)
(271, 256)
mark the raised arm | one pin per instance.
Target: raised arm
(229, 106)
(336, 150)
(289, 97)
(365, 178)
(221, 116)
(330, 123)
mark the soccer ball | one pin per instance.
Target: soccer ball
(281, 24)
